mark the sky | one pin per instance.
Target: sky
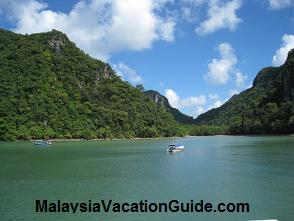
(198, 53)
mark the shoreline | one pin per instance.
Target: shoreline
(108, 139)
(146, 138)
(161, 138)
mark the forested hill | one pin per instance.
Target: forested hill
(51, 89)
(162, 101)
(266, 108)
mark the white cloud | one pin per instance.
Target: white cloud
(220, 16)
(167, 30)
(240, 79)
(216, 104)
(99, 27)
(282, 53)
(199, 110)
(192, 106)
(176, 102)
(127, 73)
(213, 96)
(193, 101)
(278, 4)
(220, 69)
(219, 102)
(172, 97)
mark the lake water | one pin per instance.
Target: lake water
(257, 170)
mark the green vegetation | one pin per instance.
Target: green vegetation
(204, 130)
(266, 108)
(51, 89)
(187, 124)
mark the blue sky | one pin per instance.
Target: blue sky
(196, 52)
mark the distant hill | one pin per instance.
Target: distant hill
(51, 89)
(265, 108)
(162, 101)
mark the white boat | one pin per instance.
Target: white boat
(43, 142)
(175, 148)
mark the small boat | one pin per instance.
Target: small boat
(175, 148)
(42, 142)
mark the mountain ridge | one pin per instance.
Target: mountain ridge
(265, 108)
(49, 88)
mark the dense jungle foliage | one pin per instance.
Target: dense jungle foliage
(51, 89)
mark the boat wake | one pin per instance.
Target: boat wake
(175, 148)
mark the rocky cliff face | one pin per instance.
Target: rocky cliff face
(57, 41)
(157, 98)
(280, 79)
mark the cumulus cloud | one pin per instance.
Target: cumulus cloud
(193, 101)
(278, 4)
(172, 97)
(220, 69)
(177, 102)
(99, 27)
(192, 106)
(282, 53)
(220, 16)
(127, 73)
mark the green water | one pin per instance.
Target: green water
(257, 170)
